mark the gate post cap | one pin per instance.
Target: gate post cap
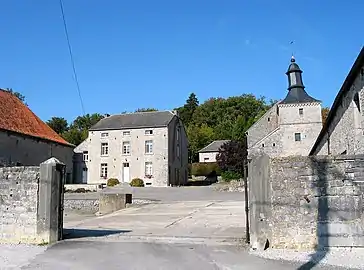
(52, 160)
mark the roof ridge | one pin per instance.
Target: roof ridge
(129, 113)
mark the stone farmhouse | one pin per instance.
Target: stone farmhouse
(25, 140)
(209, 152)
(343, 132)
(152, 146)
(292, 125)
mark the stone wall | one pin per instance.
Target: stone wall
(345, 130)
(307, 202)
(18, 203)
(265, 125)
(30, 203)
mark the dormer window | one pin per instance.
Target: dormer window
(300, 111)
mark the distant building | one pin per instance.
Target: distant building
(209, 153)
(343, 131)
(292, 125)
(152, 146)
(25, 140)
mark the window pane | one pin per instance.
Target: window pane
(148, 168)
(126, 148)
(104, 149)
(297, 137)
(149, 146)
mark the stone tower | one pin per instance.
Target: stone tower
(292, 125)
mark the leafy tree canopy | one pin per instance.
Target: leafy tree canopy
(146, 110)
(324, 112)
(232, 156)
(58, 124)
(220, 119)
(17, 94)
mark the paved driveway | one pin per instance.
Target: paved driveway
(188, 228)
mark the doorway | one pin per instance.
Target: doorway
(84, 176)
(126, 172)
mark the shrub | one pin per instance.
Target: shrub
(230, 175)
(137, 182)
(112, 182)
(189, 168)
(205, 169)
(80, 190)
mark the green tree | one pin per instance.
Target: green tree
(58, 124)
(232, 156)
(146, 110)
(78, 130)
(75, 136)
(85, 122)
(324, 112)
(199, 137)
(17, 94)
(186, 111)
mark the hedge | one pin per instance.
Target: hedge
(230, 175)
(205, 169)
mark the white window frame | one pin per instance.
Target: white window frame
(85, 156)
(148, 168)
(148, 132)
(104, 135)
(148, 147)
(103, 170)
(126, 133)
(104, 149)
(126, 148)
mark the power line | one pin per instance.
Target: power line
(71, 56)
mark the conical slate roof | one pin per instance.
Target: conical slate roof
(298, 95)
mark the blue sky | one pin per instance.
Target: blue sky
(132, 54)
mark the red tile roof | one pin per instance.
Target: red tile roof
(17, 117)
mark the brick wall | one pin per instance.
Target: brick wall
(306, 202)
(18, 203)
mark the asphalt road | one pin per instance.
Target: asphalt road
(98, 255)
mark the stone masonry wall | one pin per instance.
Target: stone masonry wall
(313, 202)
(18, 203)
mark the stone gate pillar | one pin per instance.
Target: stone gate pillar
(50, 199)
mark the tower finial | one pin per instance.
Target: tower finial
(293, 59)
